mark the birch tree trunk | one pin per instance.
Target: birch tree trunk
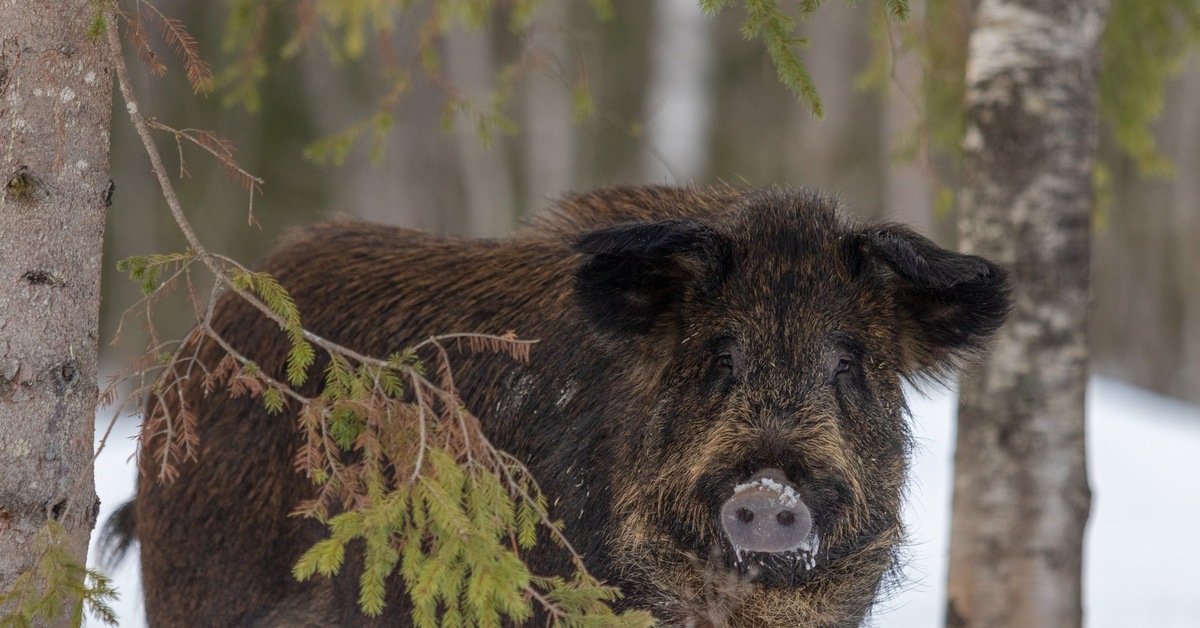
(55, 114)
(486, 178)
(1021, 495)
(679, 95)
(548, 127)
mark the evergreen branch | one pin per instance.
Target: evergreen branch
(335, 148)
(199, 74)
(898, 10)
(506, 342)
(135, 32)
(146, 269)
(765, 19)
(245, 32)
(53, 582)
(220, 148)
(808, 7)
(768, 21)
(1143, 46)
(384, 517)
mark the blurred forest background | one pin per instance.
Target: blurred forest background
(650, 91)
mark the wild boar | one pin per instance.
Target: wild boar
(715, 406)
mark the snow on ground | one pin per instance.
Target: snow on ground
(1142, 541)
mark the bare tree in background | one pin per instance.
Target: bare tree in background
(486, 180)
(1021, 496)
(55, 116)
(841, 152)
(549, 125)
(907, 181)
(423, 170)
(679, 95)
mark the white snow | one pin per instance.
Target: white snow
(1142, 542)
(1141, 545)
(787, 495)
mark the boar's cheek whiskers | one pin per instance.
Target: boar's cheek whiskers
(823, 440)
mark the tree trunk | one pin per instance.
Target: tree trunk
(837, 153)
(548, 127)
(55, 114)
(486, 178)
(679, 95)
(417, 181)
(907, 189)
(1185, 220)
(1021, 496)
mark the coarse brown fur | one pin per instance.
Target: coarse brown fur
(689, 337)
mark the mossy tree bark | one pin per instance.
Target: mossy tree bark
(55, 113)
(1021, 496)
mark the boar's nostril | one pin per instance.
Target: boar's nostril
(766, 515)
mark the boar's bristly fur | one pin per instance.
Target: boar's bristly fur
(693, 342)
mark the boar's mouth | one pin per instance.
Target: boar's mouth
(778, 569)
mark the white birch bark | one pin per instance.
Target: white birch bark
(549, 112)
(1021, 495)
(55, 116)
(487, 178)
(679, 104)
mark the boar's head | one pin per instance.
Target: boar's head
(763, 446)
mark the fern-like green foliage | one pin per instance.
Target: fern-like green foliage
(1144, 43)
(99, 22)
(768, 21)
(276, 297)
(146, 269)
(56, 581)
(450, 536)
(445, 512)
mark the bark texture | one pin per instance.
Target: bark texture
(1021, 495)
(55, 113)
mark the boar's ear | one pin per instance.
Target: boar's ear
(952, 301)
(637, 273)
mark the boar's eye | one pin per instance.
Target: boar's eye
(842, 365)
(727, 359)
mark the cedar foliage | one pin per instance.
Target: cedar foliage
(775, 26)
(430, 497)
(393, 453)
(1144, 45)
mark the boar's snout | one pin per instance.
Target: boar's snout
(766, 514)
